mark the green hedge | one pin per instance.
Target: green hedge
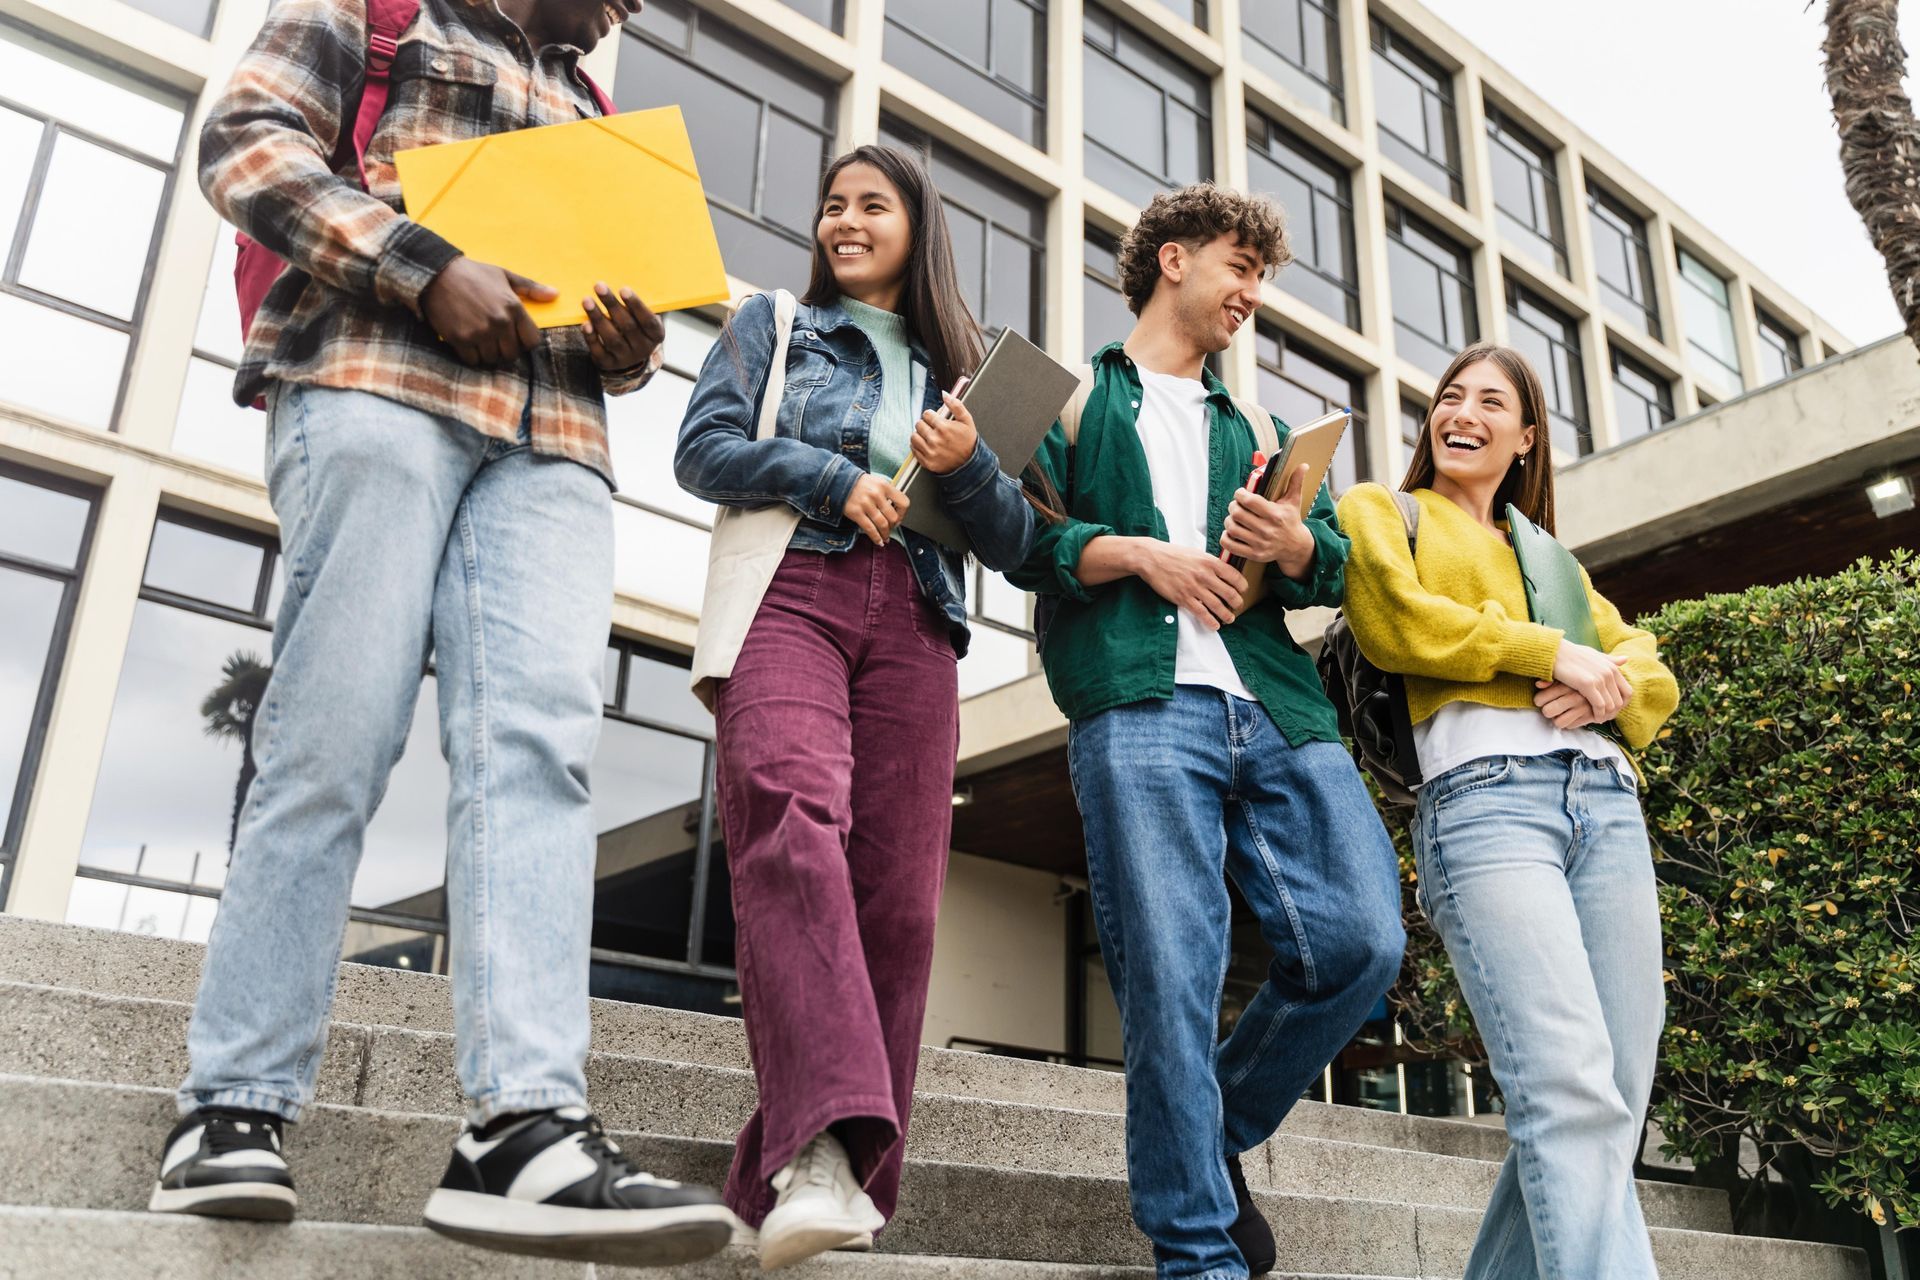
(1783, 800)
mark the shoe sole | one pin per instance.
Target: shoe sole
(617, 1237)
(255, 1201)
(809, 1239)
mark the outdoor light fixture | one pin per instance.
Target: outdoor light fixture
(1890, 496)
(962, 795)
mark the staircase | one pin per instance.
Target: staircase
(1015, 1169)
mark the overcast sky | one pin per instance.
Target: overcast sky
(1721, 104)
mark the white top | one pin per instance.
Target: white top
(1173, 430)
(1464, 731)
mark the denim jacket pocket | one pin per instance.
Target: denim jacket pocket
(1471, 776)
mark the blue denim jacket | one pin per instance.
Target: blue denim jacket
(819, 448)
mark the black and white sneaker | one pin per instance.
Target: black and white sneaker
(553, 1184)
(225, 1163)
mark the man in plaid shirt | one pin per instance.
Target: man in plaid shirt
(439, 467)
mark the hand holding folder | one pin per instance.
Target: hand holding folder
(615, 198)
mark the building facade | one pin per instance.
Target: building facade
(1433, 200)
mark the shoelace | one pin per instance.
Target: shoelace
(817, 1164)
(224, 1134)
(598, 1144)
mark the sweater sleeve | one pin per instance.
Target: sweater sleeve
(1403, 627)
(1655, 692)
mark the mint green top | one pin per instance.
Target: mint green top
(891, 440)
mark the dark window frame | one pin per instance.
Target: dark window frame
(1777, 336)
(1341, 197)
(40, 719)
(1582, 425)
(1618, 217)
(690, 57)
(1395, 49)
(1616, 359)
(838, 8)
(1035, 99)
(1693, 346)
(1330, 16)
(1460, 272)
(1507, 133)
(1266, 331)
(52, 128)
(1162, 181)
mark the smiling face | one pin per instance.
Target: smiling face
(865, 233)
(581, 23)
(1217, 289)
(1477, 427)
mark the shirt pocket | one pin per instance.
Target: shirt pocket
(437, 94)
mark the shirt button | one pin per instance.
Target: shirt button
(1169, 617)
(1136, 404)
(439, 64)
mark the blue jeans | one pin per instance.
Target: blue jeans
(1536, 872)
(1172, 793)
(404, 532)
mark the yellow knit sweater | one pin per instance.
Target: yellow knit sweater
(1453, 618)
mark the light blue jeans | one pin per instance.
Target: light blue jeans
(1536, 872)
(402, 533)
(1173, 793)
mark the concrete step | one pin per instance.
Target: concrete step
(117, 1040)
(101, 1245)
(75, 1145)
(121, 964)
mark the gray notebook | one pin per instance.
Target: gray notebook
(1014, 397)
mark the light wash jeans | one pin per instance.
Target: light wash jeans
(1536, 872)
(404, 532)
(1172, 793)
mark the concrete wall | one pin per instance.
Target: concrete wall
(999, 959)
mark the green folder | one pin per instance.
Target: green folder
(1556, 593)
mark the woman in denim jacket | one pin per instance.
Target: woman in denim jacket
(837, 731)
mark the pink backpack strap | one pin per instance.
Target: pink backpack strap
(599, 96)
(387, 21)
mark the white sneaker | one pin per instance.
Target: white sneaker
(820, 1206)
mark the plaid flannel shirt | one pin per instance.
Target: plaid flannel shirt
(347, 312)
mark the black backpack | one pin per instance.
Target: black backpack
(1371, 703)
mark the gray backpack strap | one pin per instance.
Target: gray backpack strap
(1261, 421)
(1410, 516)
(1076, 405)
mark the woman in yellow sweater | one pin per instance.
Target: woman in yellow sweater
(1532, 854)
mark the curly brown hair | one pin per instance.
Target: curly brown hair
(1194, 216)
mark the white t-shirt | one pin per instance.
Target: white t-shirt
(1173, 431)
(1463, 731)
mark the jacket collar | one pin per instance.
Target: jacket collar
(1114, 356)
(830, 316)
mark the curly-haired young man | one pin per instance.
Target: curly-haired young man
(1201, 742)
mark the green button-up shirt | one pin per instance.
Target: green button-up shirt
(1112, 644)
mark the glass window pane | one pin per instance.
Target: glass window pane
(20, 138)
(31, 606)
(1107, 317)
(646, 809)
(824, 12)
(175, 762)
(796, 157)
(213, 428)
(661, 691)
(188, 15)
(205, 566)
(59, 365)
(993, 658)
(658, 560)
(642, 429)
(93, 227)
(1001, 601)
(41, 524)
(1013, 285)
(219, 331)
(89, 95)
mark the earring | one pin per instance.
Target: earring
(1523, 459)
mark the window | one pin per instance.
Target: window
(178, 763)
(86, 162)
(1414, 103)
(1642, 399)
(1000, 646)
(1300, 386)
(44, 529)
(999, 232)
(1413, 420)
(828, 13)
(1149, 115)
(1297, 42)
(1779, 348)
(1194, 11)
(1552, 343)
(1432, 283)
(1317, 195)
(1107, 316)
(1624, 262)
(1526, 192)
(660, 531)
(210, 426)
(760, 127)
(195, 16)
(990, 56)
(1706, 314)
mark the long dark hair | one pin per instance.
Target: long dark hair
(932, 304)
(1529, 488)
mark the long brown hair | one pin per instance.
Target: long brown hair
(1527, 486)
(932, 304)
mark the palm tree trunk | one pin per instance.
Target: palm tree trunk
(1879, 139)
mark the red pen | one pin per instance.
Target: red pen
(1253, 483)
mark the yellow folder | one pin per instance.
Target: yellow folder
(615, 199)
